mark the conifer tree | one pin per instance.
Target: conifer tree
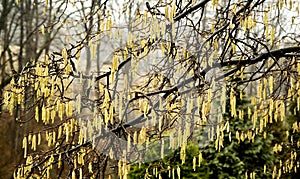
(245, 152)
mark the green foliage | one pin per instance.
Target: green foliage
(167, 165)
(239, 157)
(236, 159)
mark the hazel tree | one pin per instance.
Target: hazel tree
(170, 65)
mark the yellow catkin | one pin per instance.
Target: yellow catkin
(194, 163)
(128, 142)
(52, 115)
(178, 172)
(160, 123)
(73, 175)
(115, 63)
(183, 153)
(271, 109)
(44, 119)
(37, 114)
(272, 37)
(39, 139)
(233, 104)
(24, 146)
(200, 159)
(291, 4)
(142, 136)
(167, 15)
(33, 142)
(234, 9)
(90, 167)
(43, 30)
(245, 24)
(80, 173)
(260, 90)
(250, 22)
(111, 153)
(266, 23)
(64, 54)
(173, 9)
(162, 47)
(223, 99)
(271, 83)
(70, 109)
(78, 52)
(281, 4)
(162, 149)
(237, 136)
(135, 137)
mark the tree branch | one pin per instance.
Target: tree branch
(274, 53)
(185, 13)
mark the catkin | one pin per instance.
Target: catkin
(64, 55)
(128, 142)
(135, 137)
(37, 114)
(266, 24)
(167, 15)
(24, 146)
(178, 172)
(33, 142)
(194, 163)
(162, 148)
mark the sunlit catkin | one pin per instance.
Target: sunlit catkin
(178, 172)
(37, 114)
(33, 142)
(135, 137)
(24, 146)
(200, 159)
(64, 55)
(167, 15)
(194, 163)
(233, 103)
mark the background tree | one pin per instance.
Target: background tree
(29, 32)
